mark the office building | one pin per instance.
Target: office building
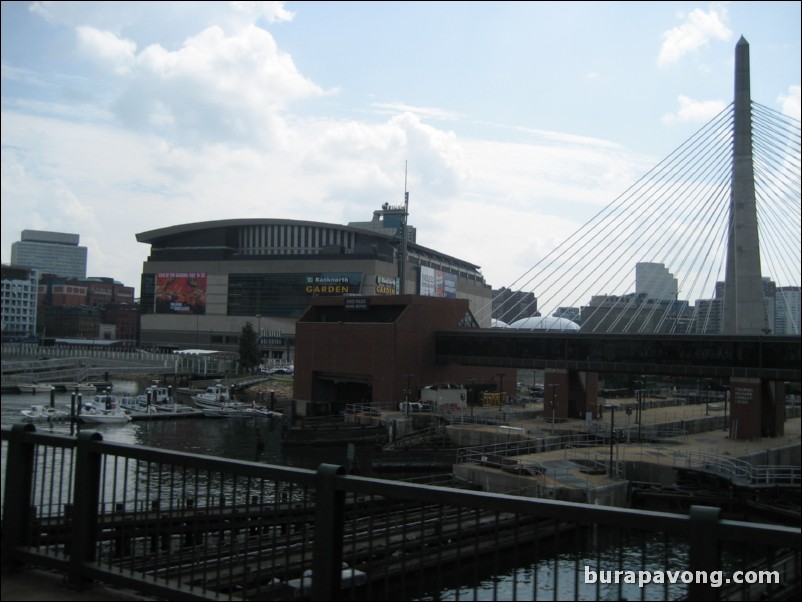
(50, 253)
(18, 291)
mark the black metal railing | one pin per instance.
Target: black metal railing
(185, 526)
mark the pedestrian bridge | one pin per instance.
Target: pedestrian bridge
(708, 356)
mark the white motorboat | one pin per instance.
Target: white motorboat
(103, 410)
(135, 403)
(237, 409)
(176, 408)
(35, 388)
(154, 399)
(44, 413)
(213, 398)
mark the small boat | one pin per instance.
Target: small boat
(175, 408)
(154, 399)
(80, 387)
(237, 409)
(135, 403)
(214, 398)
(35, 388)
(231, 409)
(44, 413)
(103, 410)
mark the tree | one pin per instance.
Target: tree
(249, 354)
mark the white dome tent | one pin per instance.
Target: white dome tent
(545, 323)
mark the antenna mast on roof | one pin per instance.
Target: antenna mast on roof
(403, 271)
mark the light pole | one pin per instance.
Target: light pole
(471, 394)
(726, 394)
(259, 336)
(553, 404)
(612, 434)
(407, 391)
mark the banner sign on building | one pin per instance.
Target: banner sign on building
(356, 304)
(333, 283)
(181, 293)
(435, 283)
(386, 286)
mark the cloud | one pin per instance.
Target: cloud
(215, 86)
(791, 102)
(694, 111)
(698, 29)
(394, 108)
(106, 48)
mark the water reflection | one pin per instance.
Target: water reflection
(255, 439)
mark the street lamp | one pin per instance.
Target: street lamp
(553, 404)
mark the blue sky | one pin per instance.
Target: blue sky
(518, 121)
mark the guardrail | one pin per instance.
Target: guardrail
(192, 527)
(740, 470)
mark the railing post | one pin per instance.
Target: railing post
(703, 544)
(328, 545)
(18, 492)
(85, 504)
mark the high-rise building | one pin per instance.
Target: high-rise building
(50, 253)
(787, 310)
(18, 292)
(655, 282)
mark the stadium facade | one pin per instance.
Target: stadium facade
(203, 281)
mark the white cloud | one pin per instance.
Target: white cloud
(107, 49)
(791, 102)
(698, 29)
(272, 12)
(214, 87)
(694, 111)
(393, 108)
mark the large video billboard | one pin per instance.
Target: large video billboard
(435, 283)
(181, 293)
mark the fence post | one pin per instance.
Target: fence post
(703, 544)
(85, 504)
(328, 545)
(18, 492)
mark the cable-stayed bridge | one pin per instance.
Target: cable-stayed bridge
(707, 242)
(712, 229)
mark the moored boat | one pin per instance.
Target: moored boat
(35, 388)
(80, 387)
(103, 410)
(43, 413)
(213, 398)
(237, 409)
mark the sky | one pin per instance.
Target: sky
(510, 123)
